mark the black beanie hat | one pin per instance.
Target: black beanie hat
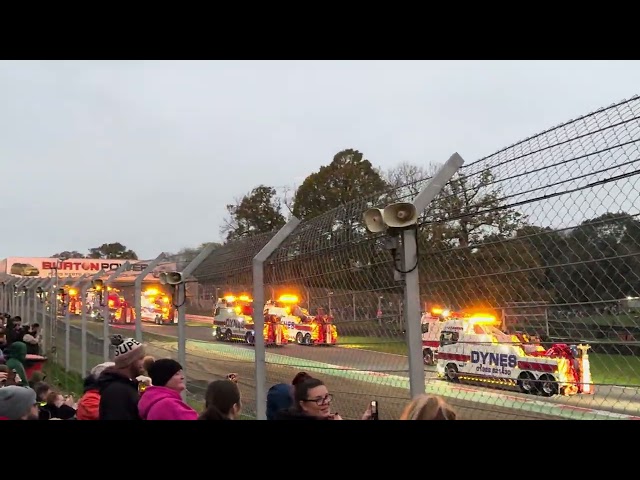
(162, 370)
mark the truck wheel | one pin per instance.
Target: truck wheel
(299, 338)
(228, 336)
(250, 338)
(527, 383)
(307, 339)
(219, 335)
(451, 373)
(428, 357)
(548, 385)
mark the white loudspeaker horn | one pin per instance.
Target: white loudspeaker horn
(174, 278)
(163, 278)
(373, 220)
(400, 215)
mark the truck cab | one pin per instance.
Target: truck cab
(431, 324)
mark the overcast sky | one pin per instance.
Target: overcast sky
(149, 153)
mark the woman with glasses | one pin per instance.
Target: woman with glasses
(312, 401)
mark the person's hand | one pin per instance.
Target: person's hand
(367, 413)
(233, 377)
(18, 379)
(3, 377)
(335, 416)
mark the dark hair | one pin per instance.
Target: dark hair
(301, 390)
(300, 377)
(220, 397)
(35, 325)
(40, 389)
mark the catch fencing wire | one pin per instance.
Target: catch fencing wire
(509, 233)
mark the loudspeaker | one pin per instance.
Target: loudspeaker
(162, 277)
(400, 215)
(171, 278)
(373, 220)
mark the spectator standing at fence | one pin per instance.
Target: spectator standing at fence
(428, 407)
(279, 398)
(57, 407)
(18, 403)
(118, 386)
(162, 400)
(16, 355)
(222, 401)
(312, 401)
(89, 403)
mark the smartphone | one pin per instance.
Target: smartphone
(374, 410)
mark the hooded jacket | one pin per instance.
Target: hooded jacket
(162, 403)
(16, 355)
(89, 403)
(279, 397)
(118, 397)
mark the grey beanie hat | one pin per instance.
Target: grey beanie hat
(15, 402)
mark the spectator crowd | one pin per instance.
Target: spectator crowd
(136, 386)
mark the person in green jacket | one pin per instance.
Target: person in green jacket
(16, 355)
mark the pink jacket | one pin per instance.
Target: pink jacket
(162, 403)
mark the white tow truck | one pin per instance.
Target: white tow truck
(301, 327)
(474, 350)
(233, 321)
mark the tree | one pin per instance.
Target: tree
(69, 254)
(260, 211)
(470, 254)
(407, 179)
(187, 254)
(113, 251)
(600, 261)
(347, 178)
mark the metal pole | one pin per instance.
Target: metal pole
(181, 293)
(9, 294)
(411, 308)
(83, 321)
(258, 313)
(16, 297)
(44, 328)
(67, 327)
(353, 302)
(137, 292)
(34, 300)
(106, 315)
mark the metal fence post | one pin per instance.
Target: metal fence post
(181, 293)
(137, 292)
(411, 309)
(83, 320)
(258, 313)
(34, 299)
(44, 328)
(67, 328)
(9, 294)
(106, 315)
(16, 297)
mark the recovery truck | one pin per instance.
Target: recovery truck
(301, 327)
(157, 307)
(232, 321)
(474, 350)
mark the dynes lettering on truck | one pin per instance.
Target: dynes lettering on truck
(494, 363)
(91, 266)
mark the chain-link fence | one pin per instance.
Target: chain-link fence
(524, 257)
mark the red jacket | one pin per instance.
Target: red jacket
(89, 406)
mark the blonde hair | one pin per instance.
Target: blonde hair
(428, 407)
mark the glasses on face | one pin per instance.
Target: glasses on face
(328, 398)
